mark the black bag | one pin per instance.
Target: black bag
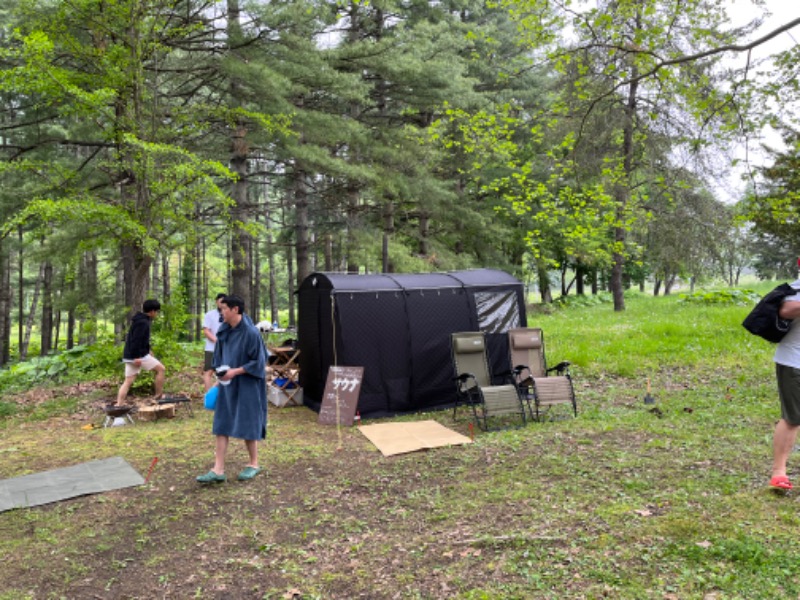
(764, 321)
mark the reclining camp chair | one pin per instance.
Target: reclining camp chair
(474, 384)
(526, 346)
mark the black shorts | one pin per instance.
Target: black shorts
(789, 392)
(207, 358)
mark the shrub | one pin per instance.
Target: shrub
(735, 297)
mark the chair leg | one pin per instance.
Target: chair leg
(528, 397)
(480, 419)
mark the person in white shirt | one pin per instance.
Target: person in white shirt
(211, 323)
(787, 370)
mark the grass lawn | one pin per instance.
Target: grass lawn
(622, 502)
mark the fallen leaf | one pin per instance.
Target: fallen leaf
(643, 512)
(704, 544)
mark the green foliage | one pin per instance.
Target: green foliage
(102, 360)
(81, 363)
(737, 297)
(584, 300)
(774, 207)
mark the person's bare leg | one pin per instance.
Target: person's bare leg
(782, 445)
(124, 389)
(208, 379)
(252, 450)
(219, 454)
(159, 381)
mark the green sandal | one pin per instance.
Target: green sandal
(211, 477)
(248, 473)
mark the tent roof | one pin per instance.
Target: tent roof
(349, 282)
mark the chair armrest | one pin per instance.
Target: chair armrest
(463, 377)
(462, 381)
(519, 369)
(561, 368)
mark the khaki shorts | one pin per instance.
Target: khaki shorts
(789, 391)
(149, 363)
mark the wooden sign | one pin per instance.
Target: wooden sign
(342, 389)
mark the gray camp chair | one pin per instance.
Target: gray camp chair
(526, 346)
(474, 384)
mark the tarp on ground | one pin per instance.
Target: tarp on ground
(68, 482)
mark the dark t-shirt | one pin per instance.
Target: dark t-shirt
(137, 343)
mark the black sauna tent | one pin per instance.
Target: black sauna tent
(398, 326)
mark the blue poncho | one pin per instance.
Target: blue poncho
(241, 410)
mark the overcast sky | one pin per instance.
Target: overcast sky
(782, 11)
(741, 12)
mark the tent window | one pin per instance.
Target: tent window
(497, 311)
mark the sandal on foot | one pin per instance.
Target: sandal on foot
(780, 482)
(211, 477)
(248, 473)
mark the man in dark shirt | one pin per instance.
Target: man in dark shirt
(136, 355)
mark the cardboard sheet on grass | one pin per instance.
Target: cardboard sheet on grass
(399, 438)
(59, 484)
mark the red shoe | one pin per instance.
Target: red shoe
(780, 482)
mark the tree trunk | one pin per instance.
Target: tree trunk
(70, 329)
(290, 290)
(155, 283)
(166, 282)
(352, 228)
(622, 194)
(47, 310)
(273, 284)
(328, 251)
(119, 296)
(56, 329)
(137, 269)
(657, 286)
(543, 277)
(241, 241)
(5, 304)
(198, 297)
(388, 230)
(255, 299)
(23, 350)
(580, 273)
(424, 234)
(88, 327)
(301, 220)
(668, 283)
(20, 290)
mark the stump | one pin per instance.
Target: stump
(152, 413)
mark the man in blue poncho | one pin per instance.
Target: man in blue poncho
(241, 410)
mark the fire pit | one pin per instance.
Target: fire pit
(114, 412)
